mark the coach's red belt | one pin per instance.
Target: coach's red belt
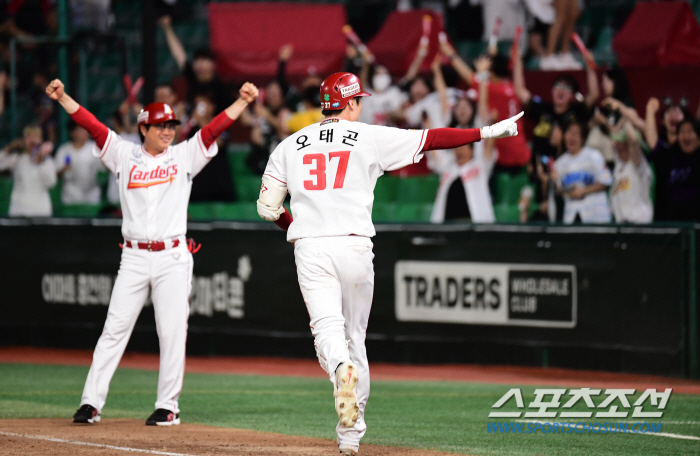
(152, 246)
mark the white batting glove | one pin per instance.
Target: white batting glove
(502, 129)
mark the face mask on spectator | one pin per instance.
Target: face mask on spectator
(381, 82)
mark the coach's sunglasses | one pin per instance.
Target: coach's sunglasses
(165, 126)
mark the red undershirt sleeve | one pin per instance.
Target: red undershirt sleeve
(214, 128)
(285, 220)
(94, 127)
(449, 138)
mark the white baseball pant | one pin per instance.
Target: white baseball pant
(336, 277)
(168, 274)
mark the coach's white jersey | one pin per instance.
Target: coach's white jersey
(581, 170)
(154, 191)
(330, 169)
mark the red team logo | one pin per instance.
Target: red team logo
(142, 179)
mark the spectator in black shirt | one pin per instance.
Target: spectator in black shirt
(552, 118)
(200, 73)
(680, 165)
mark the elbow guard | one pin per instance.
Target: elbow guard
(270, 201)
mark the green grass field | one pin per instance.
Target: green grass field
(446, 416)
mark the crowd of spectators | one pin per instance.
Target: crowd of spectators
(590, 156)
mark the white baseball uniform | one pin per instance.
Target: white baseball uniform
(330, 170)
(154, 193)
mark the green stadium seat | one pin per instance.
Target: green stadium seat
(417, 189)
(383, 212)
(236, 160)
(55, 194)
(386, 189)
(200, 211)
(247, 187)
(78, 210)
(244, 211)
(5, 192)
(413, 212)
(508, 187)
(469, 50)
(507, 213)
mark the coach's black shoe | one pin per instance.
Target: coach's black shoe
(163, 417)
(86, 414)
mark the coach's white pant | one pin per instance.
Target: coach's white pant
(168, 274)
(336, 277)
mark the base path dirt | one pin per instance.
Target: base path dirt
(509, 375)
(60, 437)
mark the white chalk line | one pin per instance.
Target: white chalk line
(99, 445)
(660, 434)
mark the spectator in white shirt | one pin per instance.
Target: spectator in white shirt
(33, 174)
(629, 195)
(464, 172)
(581, 175)
(78, 168)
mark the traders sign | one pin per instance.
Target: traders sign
(486, 293)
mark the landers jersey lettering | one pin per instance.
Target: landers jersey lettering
(154, 191)
(331, 168)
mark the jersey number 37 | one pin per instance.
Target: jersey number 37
(319, 172)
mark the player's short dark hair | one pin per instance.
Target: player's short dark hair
(143, 138)
(72, 125)
(335, 112)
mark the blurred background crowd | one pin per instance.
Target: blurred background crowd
(610, 134)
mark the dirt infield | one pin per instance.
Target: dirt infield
(380, 371)
(122, 437)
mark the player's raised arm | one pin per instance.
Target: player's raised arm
(99, 132)
(246, 95)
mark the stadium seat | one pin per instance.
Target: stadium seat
(236, 159)
(55, 194)
(247, 187)
(5, 191)
(383, 212)
(507, 213)
(417, 189)
(508, 187)
(413, 212)
(78, 210)
(200, 211)
(386, 189)
(469, 50)
(244, 211)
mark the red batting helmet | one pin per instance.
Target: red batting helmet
(339, 88)
(156, 113)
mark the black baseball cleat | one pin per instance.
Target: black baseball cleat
(86, 414)
(163, 417)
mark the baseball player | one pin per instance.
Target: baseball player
(330, 169)
(154, 180)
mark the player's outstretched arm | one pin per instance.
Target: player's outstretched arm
(247, 94)
(449, 138)
(99, 132)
